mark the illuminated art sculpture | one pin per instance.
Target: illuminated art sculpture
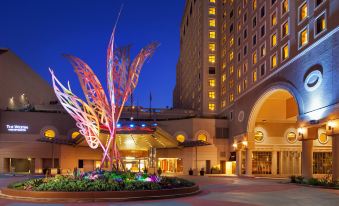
(122, 78)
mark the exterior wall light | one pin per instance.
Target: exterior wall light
(331, 125)
(301, 133)
(245, 143)
(235, 145)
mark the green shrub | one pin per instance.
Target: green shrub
(313, 181)
(293, 179)
(299, 179)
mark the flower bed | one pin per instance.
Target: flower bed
(100, 180)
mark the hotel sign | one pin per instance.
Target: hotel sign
(17, 128)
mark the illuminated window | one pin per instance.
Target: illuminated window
(231, 56)
(244, 83)
(239, 26)
(212, 1)
(211, 59)
(263, 50)
(254, 4)
(211, 94)
(211, 106)
(49, 134)
(303, 11)
(254, 58)
(239, 11)
(320, 24)
(180, 138)
(274, 61)
(231, 70)
(285, 29)
(274, 19)
(254, 76)
(212, 22)
(211, 11)
(239, 88)
(285, 52)
(223, 103)
(231, 83)
(284, 6)
(211, 46)
(231, 41)
(211, 82)
(223, 89)
(75, 135)
(223, 78)
(274, 40)
(239, 72)
(303, 37)
(202, 137)
(212, 34)
(231, 97)
(291, 137)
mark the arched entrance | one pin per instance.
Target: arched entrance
(273, 148)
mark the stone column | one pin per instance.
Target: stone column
(306, 158)
(248, 162)
(274, 162)
(335, 156)
(238, 163)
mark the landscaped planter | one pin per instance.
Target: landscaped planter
(109, 195)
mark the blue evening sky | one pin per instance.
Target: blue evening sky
(40, 31)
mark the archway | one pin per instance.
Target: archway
(273, 148)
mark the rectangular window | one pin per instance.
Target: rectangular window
(211, 70)
(320, 24)
(244, 68)
(239, 73)
(285, 29)
(254, 40)
(239, 88)
(254, 22)
(254, 76)
(231, 56)
(231, 97)
(274, 40)
(284, 7)
(231, 41)
(211, 47)
(262, 12)
(318, 2)
(231, 83)
(212, 22)
(254, 57)
(274, 19)
(303, 37)
(231, 69)
(263, 50)
(285, 52)
(212, 1)
(211, 94)
(211, 82)
(263, 69)
(262, 31)
(223, 77)
(322, 162)
(274, 62)
(211, 106)
(211, 59)
(254, 4)
(244, 83)
(211, 11)
(212, 34)
(303, 12)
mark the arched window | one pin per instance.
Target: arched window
(49, 134)
(180, 138)
(75, 134)
(202, 137)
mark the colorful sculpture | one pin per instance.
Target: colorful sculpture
(122, 79)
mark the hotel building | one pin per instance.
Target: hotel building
(274, 76)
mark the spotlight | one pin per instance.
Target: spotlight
(131, 125)
(155, 124)
(143, 125)
(119, 125)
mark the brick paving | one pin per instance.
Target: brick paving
(226, 191)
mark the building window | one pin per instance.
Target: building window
(262, 31)
(231, 28)
(180, 138)
(320, 24)
(239, 57)
(322, 162)
(245, 17)
(231, 83)
(231, 55)
(245, 50)
(285, 52)
(212, 22)
(202, 137)
(303, 37)
(259, 136)
(262, 69)
(262, 162)
(211, 47)
(211, 59)
(244, 68)
(211, 70)
(323, 138)
(262, 12)
(254, 22)
(254, 4)
(239, 73)
(291, 137)
(239, 41)
(212, 34)
(244, 83)
(223, 77)
(223, 103)
(273, 2)
(49, 134)
(231, 69)
(318, 3)
(254, 57)
(231, 41)
(239, 11)
(274, 40)
(211, 82)
(245, 33)
(285, 29)
(254, 76)
(75, 134)
(211, 11)
(274, 19)
(231, 14)
(211, 106)
(284, 7)
(274, 60)
(263, 50)
(231, 97)
(303, 12)
(239, 26)
(211, 94)
(212, 1)
(254, 39)
(239, 88)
